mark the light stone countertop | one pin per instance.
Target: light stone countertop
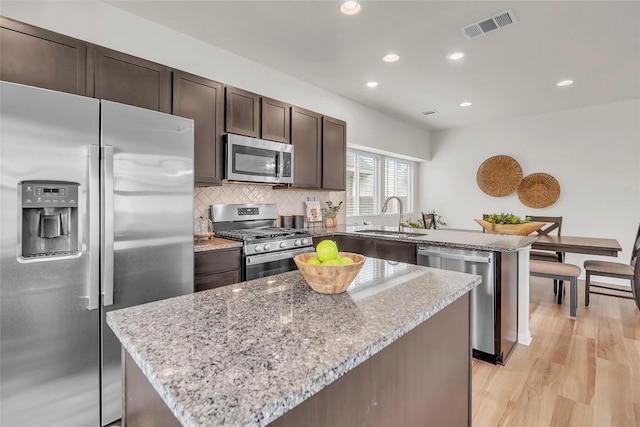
(245, 354)
(465, 239)
(215, 243)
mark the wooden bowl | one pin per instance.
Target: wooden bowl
(517, 229)
(329, 279)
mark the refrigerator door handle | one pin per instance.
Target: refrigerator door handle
(94, 228)
(107, 225)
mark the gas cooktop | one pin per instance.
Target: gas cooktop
(254, 234)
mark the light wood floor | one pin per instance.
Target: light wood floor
(576, 372)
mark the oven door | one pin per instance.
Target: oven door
(264, 265)
(257, 160)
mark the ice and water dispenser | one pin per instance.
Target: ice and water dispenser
(49, 218)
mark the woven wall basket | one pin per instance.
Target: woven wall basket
(539, 190)
(499, 176)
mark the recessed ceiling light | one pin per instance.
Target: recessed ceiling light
(372, 84)
(466, 104)
(564, 83)
(350, 8)
(392, 57)
(455, 55)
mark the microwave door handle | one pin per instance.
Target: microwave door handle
(279, 165)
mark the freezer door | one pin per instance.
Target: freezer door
(49, 354)
(148, 220)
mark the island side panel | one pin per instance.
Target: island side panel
(423, 378)
(524, 334)
(142, 406)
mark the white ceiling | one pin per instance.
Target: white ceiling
(507, 73)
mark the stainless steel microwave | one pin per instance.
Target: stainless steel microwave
(257, 160)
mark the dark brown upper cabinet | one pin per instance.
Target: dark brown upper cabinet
(201, 99)
(41, 58)
(242, 112)
(334, 154)
(133, 81)
(306, 137)
(276, 120)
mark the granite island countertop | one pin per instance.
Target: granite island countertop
(247, 353)
(465, 239)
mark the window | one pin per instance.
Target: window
(371, 178)
(362, 183)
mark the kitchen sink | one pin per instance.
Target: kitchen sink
(391, 233)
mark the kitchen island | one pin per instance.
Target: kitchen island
(401, 245)
(392, 350)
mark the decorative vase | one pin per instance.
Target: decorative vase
(330, 222)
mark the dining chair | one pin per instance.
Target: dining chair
(429, 220)
(554, 223)
(616, 270)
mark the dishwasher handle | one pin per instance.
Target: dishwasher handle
(459, 257)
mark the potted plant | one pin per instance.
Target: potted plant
(330, 213)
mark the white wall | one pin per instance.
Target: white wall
(107, 26)
(594, 153)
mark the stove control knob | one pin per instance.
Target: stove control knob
(258, 248)
(305, 241)
(283, 244)
(267, 247)
(296, 242)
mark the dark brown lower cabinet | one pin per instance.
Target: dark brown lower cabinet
(377, 248)
(216, 268)
(421, 379)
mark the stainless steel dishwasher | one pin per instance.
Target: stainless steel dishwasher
(494, 303)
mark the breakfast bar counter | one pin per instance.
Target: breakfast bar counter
(394, 347)
(465, 239)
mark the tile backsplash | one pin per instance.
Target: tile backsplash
(290, 202)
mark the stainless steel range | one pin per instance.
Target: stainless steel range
(267, 249)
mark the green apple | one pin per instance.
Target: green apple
(327, 250)
(314, 260)
(345, 260)
(331, 262)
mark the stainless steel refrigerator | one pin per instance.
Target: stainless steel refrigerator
(95, 214)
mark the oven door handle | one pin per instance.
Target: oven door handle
(276, 256)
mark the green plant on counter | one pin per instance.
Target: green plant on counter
(331, 211)
(417, 224)
(506, 218)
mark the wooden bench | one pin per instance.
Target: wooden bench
(560, 272)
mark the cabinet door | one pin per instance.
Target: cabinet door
(276, 120)
(358, 245)
(334, 154)
(201, 99)
(217, 261)
(243, 112)
(212, 281)
(132, 81)
(306, 131)
(37, 57)
(396, 251)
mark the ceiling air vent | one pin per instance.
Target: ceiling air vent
(429, 112)
(487, 25)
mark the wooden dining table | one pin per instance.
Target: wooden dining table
(578, 245)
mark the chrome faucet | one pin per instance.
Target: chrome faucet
(384, 209)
